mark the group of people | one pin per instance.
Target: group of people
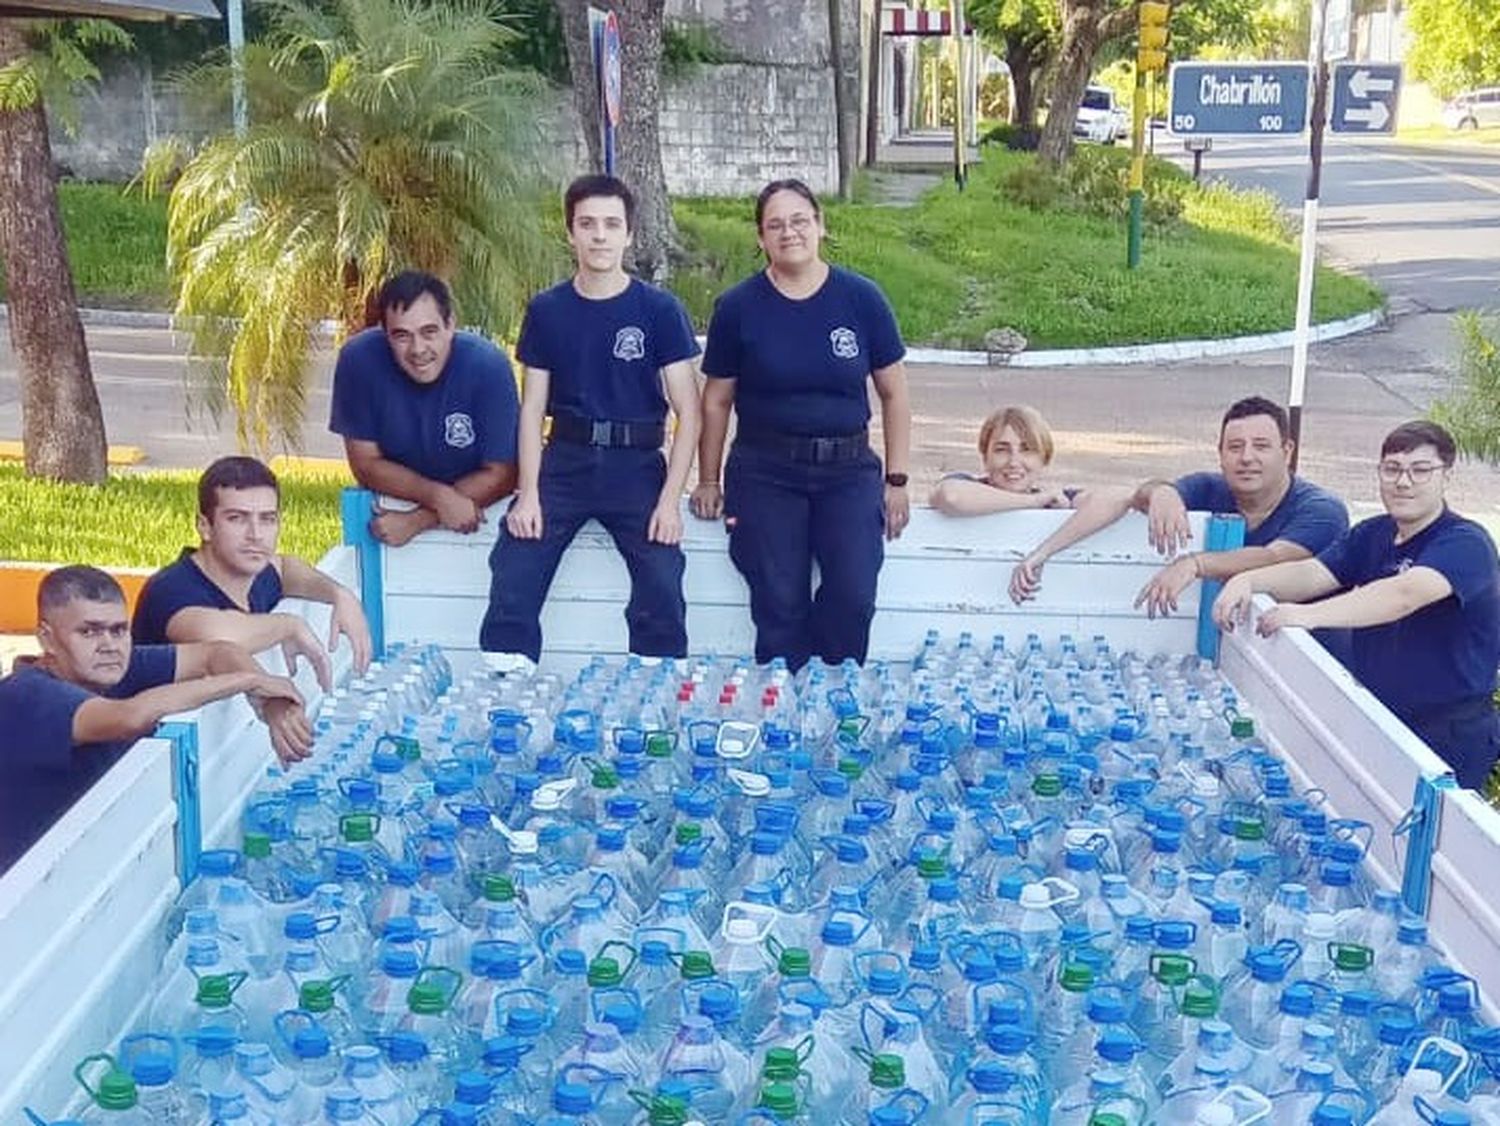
(431, 420)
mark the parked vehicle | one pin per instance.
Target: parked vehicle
(1473, 109)
(1096, 120)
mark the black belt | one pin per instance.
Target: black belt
(813, 449)
(606, 434)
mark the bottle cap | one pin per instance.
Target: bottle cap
(780, 1099)
(795, 961)
(781, 1064)
(257, 846)
(697, 964)
(887, 1071)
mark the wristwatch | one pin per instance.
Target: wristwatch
(896, 480)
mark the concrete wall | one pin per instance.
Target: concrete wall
(725, 130)
(777, 32)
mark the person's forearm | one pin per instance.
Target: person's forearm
(895, 423)
(1300, 580)
(1226, 564)
(100, 720)
(528, 452)
(958, 497)
(1140, 500)
(486, 485)
(680, 455)
(389, 478)
(231, 629)
(302, 580)
(1098, 509)
(711, 442)
(1374, 604)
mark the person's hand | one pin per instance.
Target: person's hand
(707, 501)
(1053, 498)
(524, 520)
(1160, 595)
(1280, 616)
(1233, 604)
(897, 511)
(394, 527)
(348, 620)
(1168, 528)
(262, 687)
(301, 644)
(291, 733)
(1026, 579)
(666, 523)
(455, 511)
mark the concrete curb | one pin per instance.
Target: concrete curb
(1160, 353)
(1163, 352)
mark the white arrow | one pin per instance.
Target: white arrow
(1373, 117)
(1362, 85)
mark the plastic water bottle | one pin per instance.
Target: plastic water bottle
(270, 1088)
(114, 1099)
(152, 1063)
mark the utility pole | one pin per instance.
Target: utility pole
(1307, 265)
(1152, 17)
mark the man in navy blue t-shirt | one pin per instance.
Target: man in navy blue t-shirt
(428, 414)
(1286, 517)
(69, 714)
(1421, 598)
(227, 589)
(604, 355)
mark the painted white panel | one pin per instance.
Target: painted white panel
(1339, 738)
(79, 915)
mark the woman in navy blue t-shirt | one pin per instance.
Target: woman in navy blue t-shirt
(791, 349)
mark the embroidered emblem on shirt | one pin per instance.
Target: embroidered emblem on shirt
(845, 343)
(630, 343)
(458, 430)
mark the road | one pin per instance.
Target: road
(1425, 223)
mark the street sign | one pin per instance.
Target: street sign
(1238, 99)
(1365, 96)
(610, 51)
(1338, 15)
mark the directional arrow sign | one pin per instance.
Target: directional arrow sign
(1365, 96)
(1238, 99)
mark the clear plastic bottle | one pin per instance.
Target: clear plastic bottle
(114, 1099)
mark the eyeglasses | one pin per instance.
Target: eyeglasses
(798, 223)
(1420, 472)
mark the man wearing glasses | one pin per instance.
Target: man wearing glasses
(1421, 593)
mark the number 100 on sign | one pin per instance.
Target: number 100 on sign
(1238, 99)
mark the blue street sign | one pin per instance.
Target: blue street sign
(1365, 96)
(1238, 99)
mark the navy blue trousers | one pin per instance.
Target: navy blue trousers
(619, 488)
(1466, 735)
(785, 515)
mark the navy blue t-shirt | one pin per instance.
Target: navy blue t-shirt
(1445, 652)
(443, 430)
(42, 772)
(801, 366)
(1308, 516)
(183, 584)
(604, 357)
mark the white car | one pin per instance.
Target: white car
(1096, 119)
(1473, 109)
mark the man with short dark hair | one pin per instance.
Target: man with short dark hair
(606, 355)
(1420, 594)
(428, 413)
(1286, 516)
(69, 714)
(227, 589)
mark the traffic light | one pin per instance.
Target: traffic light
(1151, 51)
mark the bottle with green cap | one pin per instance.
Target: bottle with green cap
(430, 1014)
(112, 1093)
(884, 1085)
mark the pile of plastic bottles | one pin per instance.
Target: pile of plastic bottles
(1048, 884)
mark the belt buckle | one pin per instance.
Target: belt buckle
(824, 450)
(600, 432)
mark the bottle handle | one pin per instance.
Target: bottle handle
(1445, 1048)
(78, 1072)
(1236, 1093)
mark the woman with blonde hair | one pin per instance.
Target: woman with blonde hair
(1015, 447)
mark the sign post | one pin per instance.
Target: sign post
(1152, 33)
(604, 39)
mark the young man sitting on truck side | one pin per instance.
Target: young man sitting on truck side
(1286, 517)
(428, 414)
(69, 714)
(227, 589)
(1421, 598)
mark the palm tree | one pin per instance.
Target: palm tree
(384, 134)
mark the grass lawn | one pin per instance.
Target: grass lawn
(961, 263)
(1441, 134)
(144, 519)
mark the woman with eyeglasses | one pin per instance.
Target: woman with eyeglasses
(792, 350)
(1420, 595)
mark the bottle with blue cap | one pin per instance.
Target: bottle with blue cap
(715, 1070)
(416, 1072)
(1399, 966)
(603, 1060)
(382, 1001)
(232, 1108)
(1115, 1077)
(344, 1106)
(312, 1061)
(303, 961)
(365, 1071)
(152, 1061)
(269, 1085)
(895, 1026)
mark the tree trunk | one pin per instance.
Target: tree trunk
(62, 425)
(638, 145)
(843, 61)
(575, 22)
(1087, 25)
(1022, 87)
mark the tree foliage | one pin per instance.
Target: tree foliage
(59, 65)
(384, 134)
(1455, 44)
(1472, 412)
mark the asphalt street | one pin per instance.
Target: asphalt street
(1424, 222)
